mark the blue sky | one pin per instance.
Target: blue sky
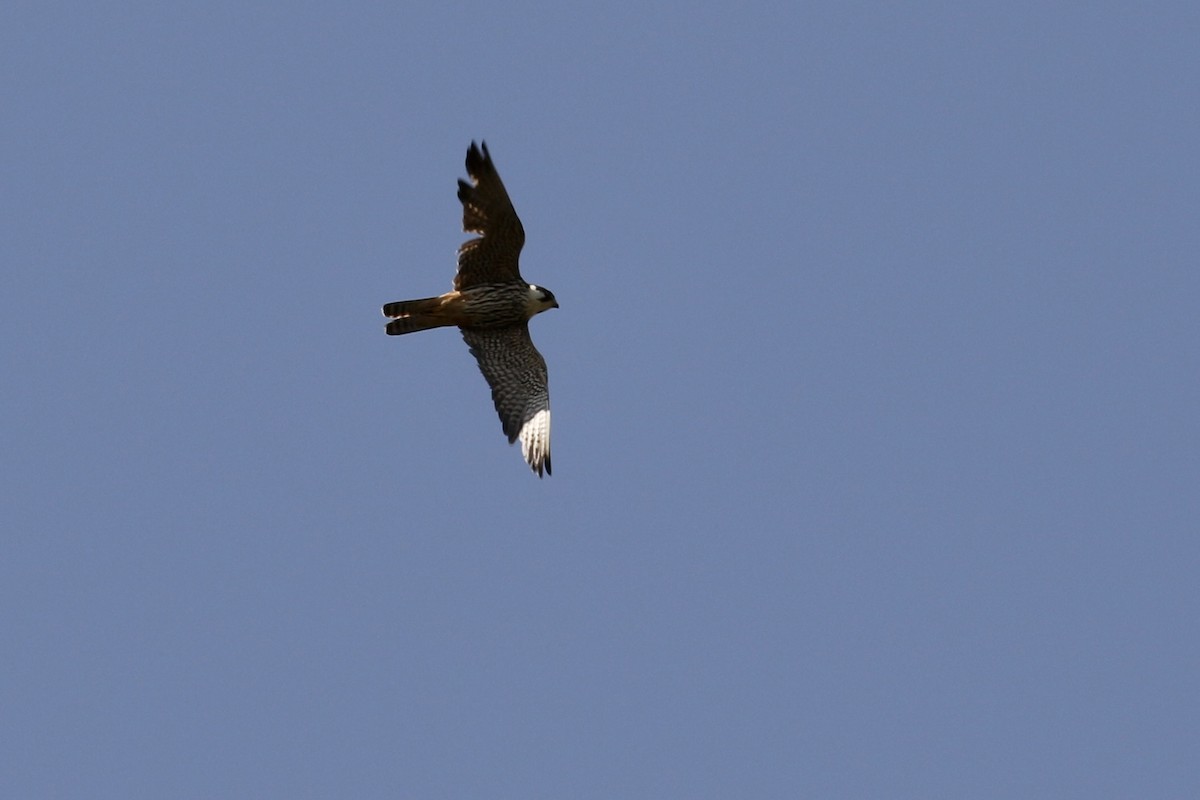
(874, 383)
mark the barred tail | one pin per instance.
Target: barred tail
(417, 315)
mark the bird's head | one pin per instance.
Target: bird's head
(540, 299)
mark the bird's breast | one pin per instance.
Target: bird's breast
(495, 305)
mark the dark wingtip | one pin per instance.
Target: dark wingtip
(477, 160)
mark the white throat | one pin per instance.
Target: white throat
(534, 303)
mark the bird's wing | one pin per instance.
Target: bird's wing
(491, 258)
(516, 372)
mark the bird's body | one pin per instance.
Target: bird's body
(492, 305)
(488, 305)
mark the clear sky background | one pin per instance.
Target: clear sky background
(875, 387)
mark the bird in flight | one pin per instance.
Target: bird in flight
(492, 305)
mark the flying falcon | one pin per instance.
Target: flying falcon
(492, 304)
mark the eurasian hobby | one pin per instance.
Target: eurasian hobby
(492, 304)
